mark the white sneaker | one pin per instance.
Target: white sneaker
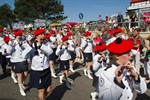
(85, 72)
(22, 92)
(53, 75)
(71, 69)
(94, 95)
(89, 74)
(14, 78)
(61, 79)
(90, 77)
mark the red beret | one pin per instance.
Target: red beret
(47, 36)
(18, 32)
(120, 46)
(87, 33)
(100, 47)
(1, 30)
(64, 38)
(6, 39)
(39, 31)
(52, 32)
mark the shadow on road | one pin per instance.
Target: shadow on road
(57, 92)
(74, 75)
(4, 76)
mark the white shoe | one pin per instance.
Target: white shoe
(94, 95)
(61, 79)
(85, 72)
(71, 69)
(14, 78)
(53, 75)
(90, 77)
(22, 92)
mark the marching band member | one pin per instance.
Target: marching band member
(99, 61)
(19, 50)
(71, 48)
(2, 57)
(117, 81)
(5, 52)
(52, 57)
(87, 48)
(40, 75)
(64, 54)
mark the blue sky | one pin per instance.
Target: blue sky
(91, 9)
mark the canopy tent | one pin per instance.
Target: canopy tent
(72, 23)
(55, 24)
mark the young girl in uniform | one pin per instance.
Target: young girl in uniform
(63, 52)
(40, 76)
(99, 63)
(71, 48)
(6, 52)
(52, 57)
(19, 50)
(87, 48)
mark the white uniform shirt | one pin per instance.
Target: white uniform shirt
(53, 40)
(41, 61)
(87, 45)
(63, 53)
(6, 47)
(19, 53)
(71, 46)
(109, 90)
(1, 43)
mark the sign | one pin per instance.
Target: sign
(81, 16)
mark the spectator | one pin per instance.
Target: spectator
(119, 19)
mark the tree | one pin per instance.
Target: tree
(42, 9)
(6, 15)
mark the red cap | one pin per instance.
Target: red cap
(1, 30)
(39, 31)
(18, 32)
(47, 36)
(120, 46)
(6, 39)
(52, 32)
(64, 38)
(100, 47)
(87, 33)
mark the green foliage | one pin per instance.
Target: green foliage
(6, 15)
(81, 29)
(40, 9)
